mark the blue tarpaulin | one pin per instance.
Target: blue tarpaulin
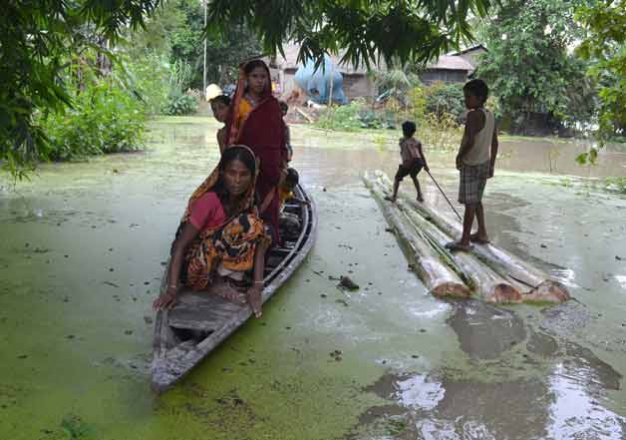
(316, 82)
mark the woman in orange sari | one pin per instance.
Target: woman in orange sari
(256, 121)
(221, 237)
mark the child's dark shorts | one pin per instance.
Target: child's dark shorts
(411, 170)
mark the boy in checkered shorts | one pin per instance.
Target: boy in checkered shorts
(475, 161)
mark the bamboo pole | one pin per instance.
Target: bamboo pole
(537, 284)
(489, 285)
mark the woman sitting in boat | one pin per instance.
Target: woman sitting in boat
(256, 121)
(221, 237)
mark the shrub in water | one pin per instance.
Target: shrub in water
(104, 118)
(179, 105)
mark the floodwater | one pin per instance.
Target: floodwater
(82, 250)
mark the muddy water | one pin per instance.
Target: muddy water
(81, 257)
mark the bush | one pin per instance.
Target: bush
(440, 132)
(354, 116)
(178, 102)
(344, 117)
(179, 105)
(445, 99)
(105, 118)
(149, 77)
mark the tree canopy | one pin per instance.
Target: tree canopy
(530, 66)
(36, 41)
(605, 47)
(409, 30)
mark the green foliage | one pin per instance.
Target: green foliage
(149, 77)
(435, 109)
(76, 429)
(105, 118)
(443, 100)
(354, 116)
(615, 184)
(37, 38)
(178, 102)
(406, 30)
(345, 117)
(440, 132)
(605, 47)
(181, 105)
(588, 158)
(177, 31)
(528, 65)
(396, 83)
(417, 103)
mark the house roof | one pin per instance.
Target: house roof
(451, 62)
(291, 55)
(445, 62)
(474, 48)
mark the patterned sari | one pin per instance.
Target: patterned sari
(229, 247)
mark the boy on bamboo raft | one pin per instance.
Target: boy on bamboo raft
(475, 161)
(413, 160)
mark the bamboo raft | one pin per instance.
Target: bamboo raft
(200, 321)
(488, 272)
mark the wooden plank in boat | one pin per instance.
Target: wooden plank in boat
(202, 311)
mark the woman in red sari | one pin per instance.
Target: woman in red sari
(256, 121)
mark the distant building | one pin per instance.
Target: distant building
(356, 81)
(448, 68)
(472, 54)
(455, 67)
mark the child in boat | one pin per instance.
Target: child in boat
(413, 160)
(285, 190)
(475, 161)
(284, 108)
(220, 105)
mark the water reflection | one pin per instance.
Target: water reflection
(419, 392)
(485, 331)
(575, 413)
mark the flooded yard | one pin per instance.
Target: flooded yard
(82, 251)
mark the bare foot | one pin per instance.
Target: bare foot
(459, 246)
(480, 239)
(228, 292)
(420, 199)
(255, 299)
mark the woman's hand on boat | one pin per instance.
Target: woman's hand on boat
(255, 299)
(165, 301)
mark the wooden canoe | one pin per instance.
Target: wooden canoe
(200, 321)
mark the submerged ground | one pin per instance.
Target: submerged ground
(82, 250)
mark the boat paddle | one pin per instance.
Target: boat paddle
(446, 197)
